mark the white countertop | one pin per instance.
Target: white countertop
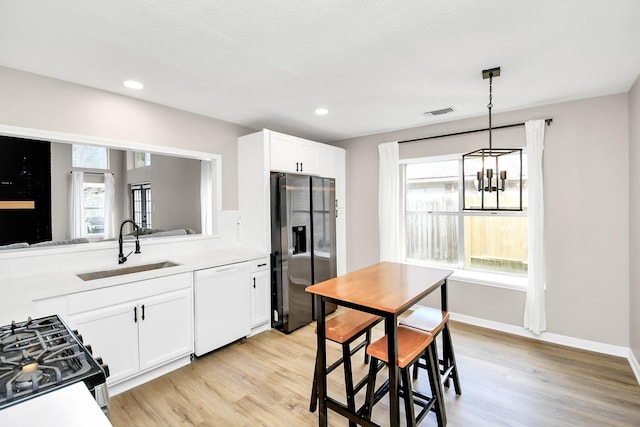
(18, 298)
(64, 283)
(71, 406)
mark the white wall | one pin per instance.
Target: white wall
(634, 213)
(37, 102)
(587, 214)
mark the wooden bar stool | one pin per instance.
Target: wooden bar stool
(345, 328)
(434, 321)
(412, 344)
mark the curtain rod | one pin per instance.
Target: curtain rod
(547, 121)
(94, 173)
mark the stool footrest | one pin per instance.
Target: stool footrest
(446, 374)
(425, 402)
(353, 351)
(380, 392)
(344, 411)
(363, 381)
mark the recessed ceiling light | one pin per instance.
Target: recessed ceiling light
(322, 111)
(132, 84)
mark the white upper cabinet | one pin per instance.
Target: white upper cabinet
(293, 154)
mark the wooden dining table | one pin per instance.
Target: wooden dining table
(386, 289)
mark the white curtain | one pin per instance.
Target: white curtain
(535, 318)
(206, 196)
(76, 208)
(109, 214)
(389, 201)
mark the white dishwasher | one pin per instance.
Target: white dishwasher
(222, 306)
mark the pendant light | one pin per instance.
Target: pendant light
(492, 176)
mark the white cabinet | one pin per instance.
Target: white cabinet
(341, 241)
(222, 306)
(333, 166)
(254, 183)
(164, 327)
(293, 154)
(113, 334)
(336, 168)
(138, 326)
(260, 287)
(265, 151)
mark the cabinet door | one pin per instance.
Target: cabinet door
(309, 157)
(113, 334)
(284, 153)
(253, 191)
(260, 298)
(165, 327)
(341, 241)
(333, 166)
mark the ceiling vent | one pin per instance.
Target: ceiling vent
(439, 112)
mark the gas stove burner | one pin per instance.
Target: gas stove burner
(17, 342)
(29, 379)
(29, 365)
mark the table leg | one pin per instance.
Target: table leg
(321, 364)
(391, 327)
(444, 303)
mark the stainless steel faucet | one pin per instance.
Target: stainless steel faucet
(121, 257)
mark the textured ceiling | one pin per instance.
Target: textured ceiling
(376, 65)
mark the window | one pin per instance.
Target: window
(141, 159)
(89, 157)
(141, 204)
(437, 231)
(94, 198)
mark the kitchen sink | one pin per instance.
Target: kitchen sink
(94, 275)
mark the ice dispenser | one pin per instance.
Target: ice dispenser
(299, 233)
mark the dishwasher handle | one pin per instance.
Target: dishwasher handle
(223, 269)
(220, 271)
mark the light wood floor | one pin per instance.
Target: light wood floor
(506, 381)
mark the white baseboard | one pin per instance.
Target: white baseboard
(613, 350)
(260, 328)
(115, 389)
(635, 366)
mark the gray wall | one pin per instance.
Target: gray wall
(37, 102)
(634, 224)
(175, 192)
(586, 172)
(60, 182)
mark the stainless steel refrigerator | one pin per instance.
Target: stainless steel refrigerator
(303, 245)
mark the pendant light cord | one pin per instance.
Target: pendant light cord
(489, 106)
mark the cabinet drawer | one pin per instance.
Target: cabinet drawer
(104, 297)
(260, 264)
